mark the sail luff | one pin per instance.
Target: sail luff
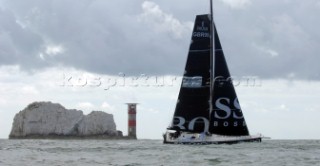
(212, 48)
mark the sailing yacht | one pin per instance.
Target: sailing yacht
(207, 109)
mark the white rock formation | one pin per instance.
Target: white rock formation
(43, 119)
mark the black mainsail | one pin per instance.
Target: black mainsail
(226, 117)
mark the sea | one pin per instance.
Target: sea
(155, 153)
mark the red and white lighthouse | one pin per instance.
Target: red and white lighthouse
(132, 128)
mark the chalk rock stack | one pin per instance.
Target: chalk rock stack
(51, 120)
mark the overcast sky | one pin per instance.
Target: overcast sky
(277, 41)
(271, 39)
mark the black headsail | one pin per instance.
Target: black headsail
(227, 117)
(192, 109)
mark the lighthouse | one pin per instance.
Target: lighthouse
(132, 112)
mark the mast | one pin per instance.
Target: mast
(212, 50)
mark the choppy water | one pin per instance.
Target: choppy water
(153, 152)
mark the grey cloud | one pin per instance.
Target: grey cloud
(269, 39)
(272, 39)
(16, 43)
(99, 36)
